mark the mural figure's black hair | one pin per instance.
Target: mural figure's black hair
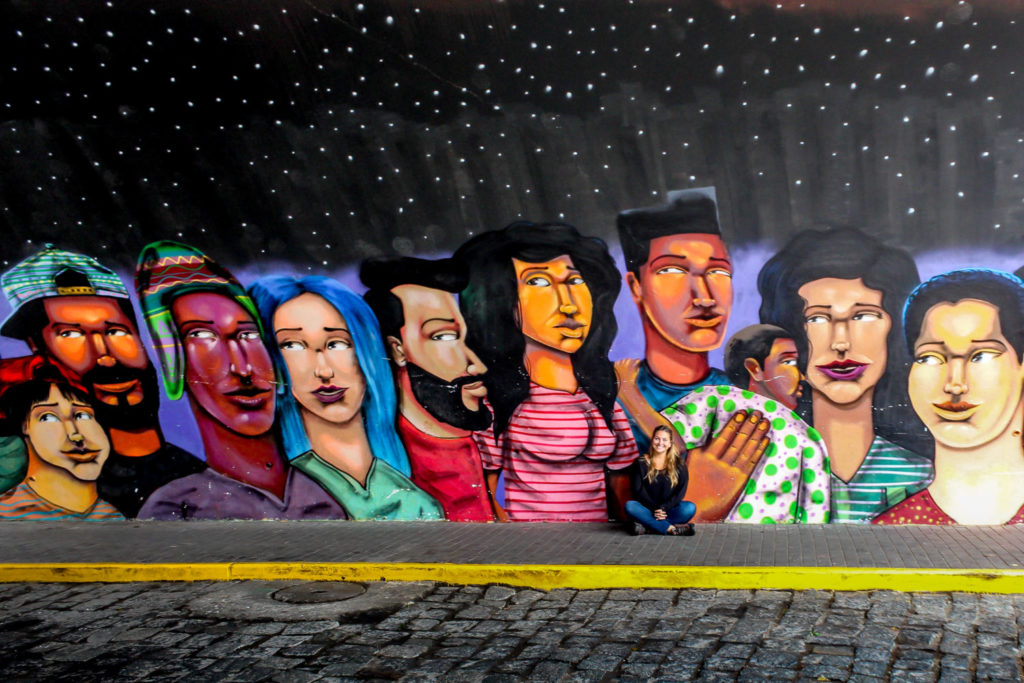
(381, 275)
(490, 305)
(1002, 290)
(17, 401)
(637, 227)
(753, 341)
(849, 254)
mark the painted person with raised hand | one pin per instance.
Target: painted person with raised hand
(679, 273)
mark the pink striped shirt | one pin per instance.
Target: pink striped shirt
(554, 453)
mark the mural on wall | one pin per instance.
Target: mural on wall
(717, 220)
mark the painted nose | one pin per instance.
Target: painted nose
(239, 363)
(957, 382)
(701, 293)
(323, 371)
(103, 357)
(840, 340)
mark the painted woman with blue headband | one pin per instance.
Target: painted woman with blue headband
(337, 408)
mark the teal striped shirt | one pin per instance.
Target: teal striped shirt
(888, 475)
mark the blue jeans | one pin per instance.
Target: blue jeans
(680, 514)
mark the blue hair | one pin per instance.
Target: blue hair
(380, 403)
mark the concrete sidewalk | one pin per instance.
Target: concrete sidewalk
(984, 559)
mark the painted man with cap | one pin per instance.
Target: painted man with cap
(439, 378)
(679, 273)
(208, 336)
(76, 313)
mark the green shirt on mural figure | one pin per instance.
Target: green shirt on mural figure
(13, 462)
(888, 475)
(388, 494)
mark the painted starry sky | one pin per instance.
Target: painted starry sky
(320, 133)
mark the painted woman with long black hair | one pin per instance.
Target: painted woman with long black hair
(538, 308)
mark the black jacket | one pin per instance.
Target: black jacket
(657, 494)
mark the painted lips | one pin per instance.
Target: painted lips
(844, 370)
(250, 398)
(705, 321)
(82, 454)
(956, 412)
(329, 394)
(571, 328)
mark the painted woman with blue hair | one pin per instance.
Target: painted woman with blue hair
(337, 406)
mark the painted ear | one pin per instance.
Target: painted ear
(634, 286)
(754, 369)
(397, 350)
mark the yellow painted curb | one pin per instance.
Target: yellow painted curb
(543, 577)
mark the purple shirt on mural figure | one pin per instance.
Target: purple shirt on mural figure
(211, 495)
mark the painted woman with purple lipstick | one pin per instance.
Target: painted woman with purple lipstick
(841, 292)
(337, 408)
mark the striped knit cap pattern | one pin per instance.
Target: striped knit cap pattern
(167, 270)
(39, 276)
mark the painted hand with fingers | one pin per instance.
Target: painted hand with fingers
(720, 470)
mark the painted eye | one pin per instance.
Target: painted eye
(48, 417)
(201, 334)
(816, 319)
(249, 336)
(538, 282)
(789, 361)
(84, 416)
(929, 359)
(867, 316)
(291, 346)
(118, 333)
(985, 356)
(721, 272)
(445, 336)
(337, 344)
(671, 270)
(70, 334)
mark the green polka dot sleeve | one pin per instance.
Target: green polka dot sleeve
(791, 483)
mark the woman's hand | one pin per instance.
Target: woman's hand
(660, 514)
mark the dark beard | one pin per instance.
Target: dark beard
(124, 416)
(443, 400)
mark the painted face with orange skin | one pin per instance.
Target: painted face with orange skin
(780, 378)
(62, 432)
(847, 329)
(555, 304)
(86, 332)
(684, 290)
(965, 383)
(228, 370)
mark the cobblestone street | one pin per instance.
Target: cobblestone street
(194, 631)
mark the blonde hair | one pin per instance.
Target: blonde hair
(671, 457)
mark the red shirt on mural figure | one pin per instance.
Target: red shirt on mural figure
(439, 378)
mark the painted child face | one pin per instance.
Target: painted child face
(847, 330)
(92, 337)
(434, 338)
(228, 371)
(684, 290)
(64, 433)
(965, 383)
(555, 305)
(781, 375)
(320, 354)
